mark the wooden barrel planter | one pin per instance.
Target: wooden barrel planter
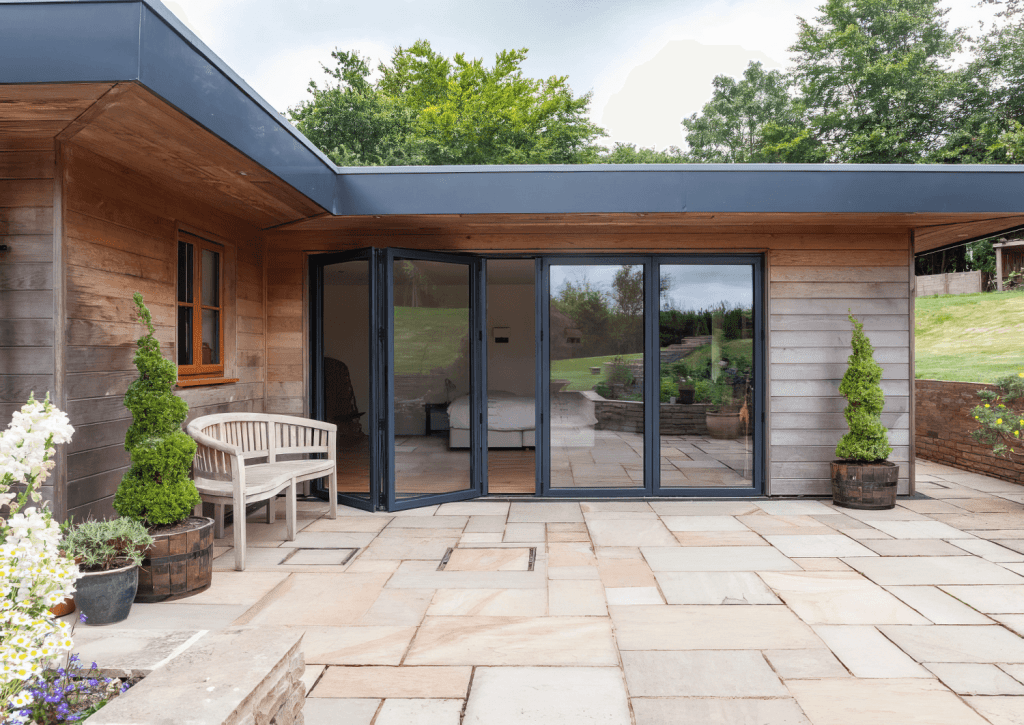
(178, 564)
(867, 486)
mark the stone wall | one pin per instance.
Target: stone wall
(628, 415)
(943, 426)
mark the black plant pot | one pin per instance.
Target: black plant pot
(105, 597)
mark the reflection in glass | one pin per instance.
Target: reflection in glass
(185, 266)
(211, 337)
(184, 335)
(706, 336)
(346, 384)
(432, 377)
(211, 277)
(596, 388)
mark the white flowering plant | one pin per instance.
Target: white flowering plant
(34, 573)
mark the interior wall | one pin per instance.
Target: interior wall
(121, 232)
(27, 289)
(347, 337)
(511, 366)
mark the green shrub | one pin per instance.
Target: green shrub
(868, 439)
(106, 545)
(669, 389)
(157, 489)
(604, 390)
(1002, 417)
(620, 372)
(711, 392)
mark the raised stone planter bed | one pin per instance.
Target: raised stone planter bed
(239, 676)
(628, 415)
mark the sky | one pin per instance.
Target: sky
(648, 63)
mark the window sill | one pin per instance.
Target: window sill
(205, 381)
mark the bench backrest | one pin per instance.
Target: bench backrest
(263, 435)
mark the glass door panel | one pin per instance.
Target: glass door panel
(596, 386)
(434, 405)
(706, 330)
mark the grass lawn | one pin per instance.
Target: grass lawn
(975, 338)
(428, 338)
(577, 371)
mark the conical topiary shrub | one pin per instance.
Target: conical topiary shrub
(157, 489)
(868, 439)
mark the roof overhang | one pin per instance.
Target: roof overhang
(141, 42)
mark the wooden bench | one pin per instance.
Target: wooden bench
(224, 473)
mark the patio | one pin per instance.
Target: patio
(682, 612)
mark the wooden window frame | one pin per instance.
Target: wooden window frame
(200, 374)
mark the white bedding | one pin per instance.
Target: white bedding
(505, 411)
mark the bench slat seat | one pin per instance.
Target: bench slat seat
(237, 464)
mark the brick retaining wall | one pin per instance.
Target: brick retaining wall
(943, 426)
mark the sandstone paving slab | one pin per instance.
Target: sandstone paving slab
(866, 534)
(423, 548)
(576, 598)
(474, 508)
(991, 599)
(913, 547)
(853, 701)
(726, 558)
(489, 602)
(398, 607)
(957, 643)
(936, 570)
(989, 550)
(419, 712)
(937, 606)
(419, 511)
(353, 524)
(839, 521)
(548, 641)
(177, 616)
(804, 664)
(408, 532)
(485, 524)
(524, 533)
(633, 596)
(834, 545)
(704, 711)
(698, 587)
(918, 529)
(429, 522)
(615, 506)
(703, 508)
(480, 538)
(896, 514)
(128, 653)
(385, 682)
(703, 523)
(574, 572)
(742, 673)
(1014, 671)
(618, 552)
(670, 627)
(256, 558)
(1015, 568)
(719, 538)
(999, 710)
(545, 512)
(310, 675)
(373, 566)
(613, 515)
(488, 559)
(1011, 544)
(1013, 622)
(320, 599)
(331, 711)
(764, 524)
(826, 563)
(424, 575)
(970, 522)
(868, 654)
(630, 532)
(625, 573)
(383, 645)
(794, 508)
(929, 506)
(238, 587)
(571, 554)
(975, 679)
(839, 597)
(546, 695)
(989, 505)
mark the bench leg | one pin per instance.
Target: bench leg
(239, 529)
(290, 511)
(218, 521)
(271, 509)
(332, 488)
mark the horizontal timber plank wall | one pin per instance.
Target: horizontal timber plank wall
(809, 342)
(27, 355)
(121, 237)
(815, 275)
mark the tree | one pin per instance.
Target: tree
(627, 153)
(868, 439)
(750, 120)
(874, 76)
(428, 109)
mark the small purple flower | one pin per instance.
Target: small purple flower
(82, 618)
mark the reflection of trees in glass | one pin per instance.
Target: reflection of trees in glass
(610, 322)
(736, 323)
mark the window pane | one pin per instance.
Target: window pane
(185, 267)
(707, 354)
(211, 337)
(211, 278)
(184, 335)
(597, 372)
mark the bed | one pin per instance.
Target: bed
(511, 421)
